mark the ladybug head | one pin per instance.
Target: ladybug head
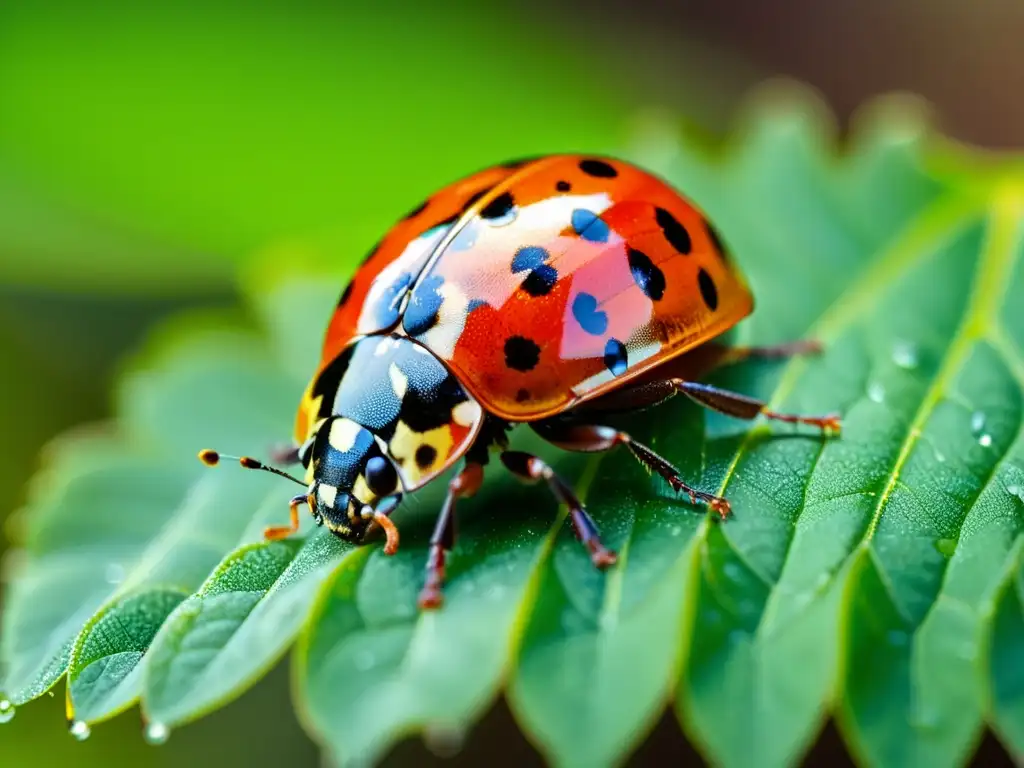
(354, 484)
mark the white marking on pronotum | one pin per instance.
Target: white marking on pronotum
(343, 434)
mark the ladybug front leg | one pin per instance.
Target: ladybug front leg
(531, 469)
(462, 486)
(590, 438)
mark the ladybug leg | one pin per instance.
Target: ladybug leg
(743, 407)
(721, 400)
(462, 486)
(284, 454)
(274, 532)
(592, 437)
(531, 469)
(733, 355)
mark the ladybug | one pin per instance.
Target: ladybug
(553, 292)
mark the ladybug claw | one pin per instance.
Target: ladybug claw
(431, 597)
(720, 505)
(603, 558)
(831, 426)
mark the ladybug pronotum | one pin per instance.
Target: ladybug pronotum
(551, 292)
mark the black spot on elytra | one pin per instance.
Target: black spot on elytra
(346, 294)
(425, 456)
(563, 186)
(674, 232)
(421, 314)
(591, 319)
(716, 240)
(707, 289)
(615, 358)
(417, 210)
(501, 210)
(540, 281)
(649, 278)
(522, 395)
(542, 277)
(599, 168)
(521, 353)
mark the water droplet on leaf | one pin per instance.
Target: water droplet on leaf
(733, 571)
(977, 422)
(80, 730)
(445, 741)
(6, 711)
(985, 440)
(157, 733)
(946, 547)
(876, 393)
(904, 354)
(114, 573)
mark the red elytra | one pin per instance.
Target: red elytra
(550, 292)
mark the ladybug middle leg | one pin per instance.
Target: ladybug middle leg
(575, 436)
(530, 469)
(462, 486)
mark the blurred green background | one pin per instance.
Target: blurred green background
(147, 151)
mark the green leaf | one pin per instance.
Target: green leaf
(873, 577)
(237, 624)
(1003, 652)
(371, 667)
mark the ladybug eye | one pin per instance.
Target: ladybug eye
(380, 476)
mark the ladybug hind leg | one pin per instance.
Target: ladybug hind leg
(573, 436)
(531, 469)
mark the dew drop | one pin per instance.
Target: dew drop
(157, 733)
(445, 741)
(904, 354)
(946, 547)
(6, 711)
(733, 571)
(1015, 490)
(876, 393)
(985, 441)
(977, 423)
(114, 573)
(80, 730)
(675, 530)
(940, 456)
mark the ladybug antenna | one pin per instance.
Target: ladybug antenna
(212, 459)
